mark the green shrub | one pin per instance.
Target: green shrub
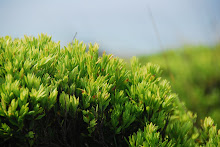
(194, 73)
(73, 97)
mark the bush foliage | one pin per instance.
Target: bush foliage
(194, 73)
(72, 97)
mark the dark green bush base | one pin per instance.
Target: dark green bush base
(70, 97)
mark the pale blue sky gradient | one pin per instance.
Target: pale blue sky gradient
(121, 27)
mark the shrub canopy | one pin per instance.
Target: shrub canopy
(72, 97)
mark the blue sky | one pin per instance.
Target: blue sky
(121, 27)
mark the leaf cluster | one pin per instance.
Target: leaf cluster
(72, 97)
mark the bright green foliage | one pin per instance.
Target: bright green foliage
(210, 133)
(73, 97)
(194, 73)
(148, 137)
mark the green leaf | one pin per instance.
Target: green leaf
(30, 134)
(40, 116)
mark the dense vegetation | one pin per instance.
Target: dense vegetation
(72, 97)
(194, 72)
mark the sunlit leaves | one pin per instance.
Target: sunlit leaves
(72, 94)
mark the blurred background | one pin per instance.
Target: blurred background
(181, 36)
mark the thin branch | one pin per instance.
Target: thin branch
(159, 41)
(74, 38)
(155, 28)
